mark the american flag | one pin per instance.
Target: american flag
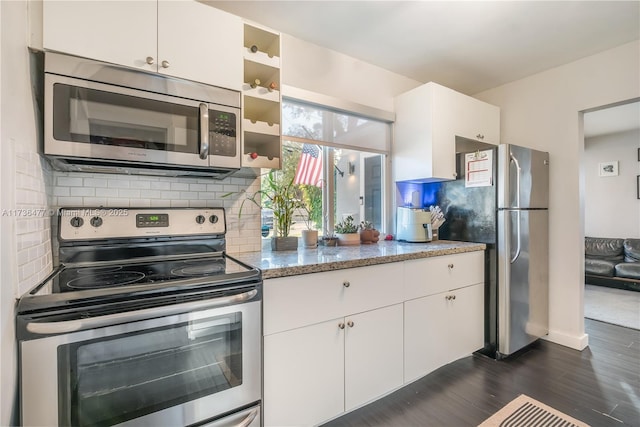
(309, 170)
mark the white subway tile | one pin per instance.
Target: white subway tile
(118, 183)
(95, 182)
(106, 192)
(65, 181)
(82, 191)
(141, 185)
(70, 201)
(129, 194)
(179, 186)
(160, 185)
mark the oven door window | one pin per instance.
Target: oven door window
(108, 381)
(99, 117)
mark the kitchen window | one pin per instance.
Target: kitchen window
(339, 161)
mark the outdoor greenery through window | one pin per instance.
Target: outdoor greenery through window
(337, 162)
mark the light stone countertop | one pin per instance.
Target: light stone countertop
(290, 263)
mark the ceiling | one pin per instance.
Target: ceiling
(469, 46)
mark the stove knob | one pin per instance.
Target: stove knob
(213, 219)
(96, 221)
(200, 219)
(76, 221)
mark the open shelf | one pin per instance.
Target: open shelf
(266, 42)
(261, 107)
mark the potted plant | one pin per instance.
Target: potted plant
(368, 234)
(347, 232)
(279, 194)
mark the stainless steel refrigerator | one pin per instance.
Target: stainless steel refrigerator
(510, 214)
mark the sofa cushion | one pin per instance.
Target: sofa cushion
(600, 267)
(629, 270)
(604, 248)
(632, 250)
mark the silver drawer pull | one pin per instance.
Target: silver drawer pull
(346, 284)
(350, 323)
(341, 325)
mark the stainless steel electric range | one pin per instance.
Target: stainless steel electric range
(145, 322)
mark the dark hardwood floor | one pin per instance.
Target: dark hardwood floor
(599, 386)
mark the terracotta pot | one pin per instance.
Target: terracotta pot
(369, 236)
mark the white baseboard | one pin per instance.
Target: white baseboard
(577, 342)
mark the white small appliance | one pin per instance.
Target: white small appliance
(413, 225)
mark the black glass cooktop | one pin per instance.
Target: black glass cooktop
(109, 275)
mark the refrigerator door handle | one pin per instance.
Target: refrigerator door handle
(517, 206)
(519, 242)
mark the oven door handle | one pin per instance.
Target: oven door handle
(51, 328)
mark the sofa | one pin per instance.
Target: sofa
(612, 262)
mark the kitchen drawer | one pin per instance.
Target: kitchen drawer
(430, 276)
(292, 302)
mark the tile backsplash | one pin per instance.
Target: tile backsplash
(79, 189)
(32, 220)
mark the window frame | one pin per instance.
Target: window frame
(338, 106)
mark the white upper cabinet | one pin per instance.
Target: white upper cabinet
(184, 39)
(428, 120)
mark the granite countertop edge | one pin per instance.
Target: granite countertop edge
(307, 261)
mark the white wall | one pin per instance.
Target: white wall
(611, 205)
(317, 69)
(543, 111)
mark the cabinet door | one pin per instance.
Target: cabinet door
(466, 321)
(201, 43)
(373, 354)
(120, 32)
(304, 375)
(426, 335)
(481, 120)
(441, 328)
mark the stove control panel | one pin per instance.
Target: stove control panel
(112, 223)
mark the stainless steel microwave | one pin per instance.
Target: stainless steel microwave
(101, 117)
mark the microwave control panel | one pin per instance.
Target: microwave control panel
(222, 133)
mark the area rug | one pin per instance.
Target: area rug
(524, 411)
(615, 306)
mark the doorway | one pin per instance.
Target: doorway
(610, 169)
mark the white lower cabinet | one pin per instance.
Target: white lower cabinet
(373, 354)
(336, 340)
(316, 372)
(304, 375)
(441, 328)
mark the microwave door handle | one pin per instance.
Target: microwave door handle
(49, 328)
(204, 131)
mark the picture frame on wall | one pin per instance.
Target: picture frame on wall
(608, 168)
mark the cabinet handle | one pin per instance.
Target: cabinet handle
(453, 297)
(346, 284)
(341, 325)
(350, 323)
(450, 266)
(150, 60)
(447, 297)
(165, 64)
(480, 136)
(254, 48)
